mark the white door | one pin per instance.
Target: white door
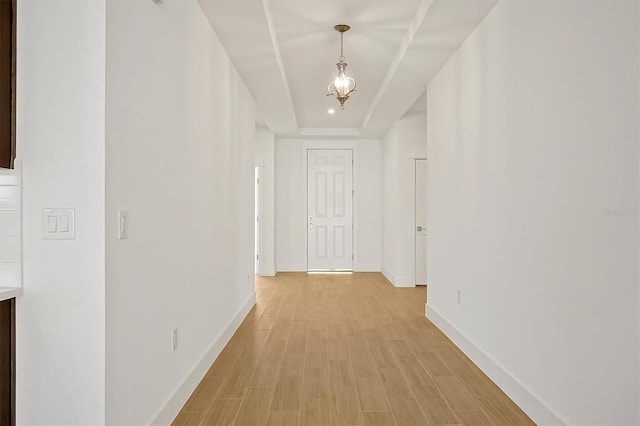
(329, 210)
(258, 196)
(421, 222)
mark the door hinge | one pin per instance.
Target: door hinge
(257, 218)
(353, 193)
(257, 257)
(353, 257)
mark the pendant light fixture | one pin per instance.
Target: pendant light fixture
(342, 85)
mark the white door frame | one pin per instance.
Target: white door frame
(330, 144)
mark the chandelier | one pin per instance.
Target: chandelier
(342, 85)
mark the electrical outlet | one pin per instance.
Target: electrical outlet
(459, 297)
(174, 339)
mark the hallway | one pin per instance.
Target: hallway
(343, 350)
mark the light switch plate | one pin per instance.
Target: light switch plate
(123, 224)
(58, 224)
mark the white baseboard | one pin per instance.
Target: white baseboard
(291, 267)
(539, 412)
(299, 267)
(404, 282)
(173, 406)
(366, 267)
(388, 275)
(269, 271)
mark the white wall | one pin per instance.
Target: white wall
(533, 170)
(368, 207)
(389, 209)
(60, 137)
(291, 202)
(405, 140)
(180, 135)
(265, 158)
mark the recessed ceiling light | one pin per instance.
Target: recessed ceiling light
(331, 111)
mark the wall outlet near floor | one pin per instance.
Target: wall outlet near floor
(459, 297)
(174, 339)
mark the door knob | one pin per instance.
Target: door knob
(419, 228)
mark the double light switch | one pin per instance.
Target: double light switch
(58, 224)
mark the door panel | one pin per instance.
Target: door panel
(421, 221)
(329, 209)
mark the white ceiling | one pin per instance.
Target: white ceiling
(286, 50)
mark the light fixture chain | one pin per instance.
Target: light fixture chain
(341, 49)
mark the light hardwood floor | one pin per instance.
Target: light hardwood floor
(343, 350)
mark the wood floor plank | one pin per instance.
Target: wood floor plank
(317, 356)
(252, 336)
(394, 383)
(400, 350)
(280, 331)
(254, 409)
(316, 381)
(414, 373)
(371, 394)
(288, 393)
(344, 395)
(382, 356)
(434, 407)
(337, 349)
(361, 359)
(273, 350)
(456, 395)
(476, 382)
(222, 412)
(317, 340)
(203, 396)
(501, 412)
(432, 363)
(265, 374)
(364, 366)
(283, 418)
(248, 356)
(296, 347)
(406, 411)
(235, 386)
(222, 366)
(301, 326)
(415, 341)
(378, 418)
(473, 418)
(315, 412)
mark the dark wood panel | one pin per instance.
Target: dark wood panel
(6, 83)
(7, 362)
